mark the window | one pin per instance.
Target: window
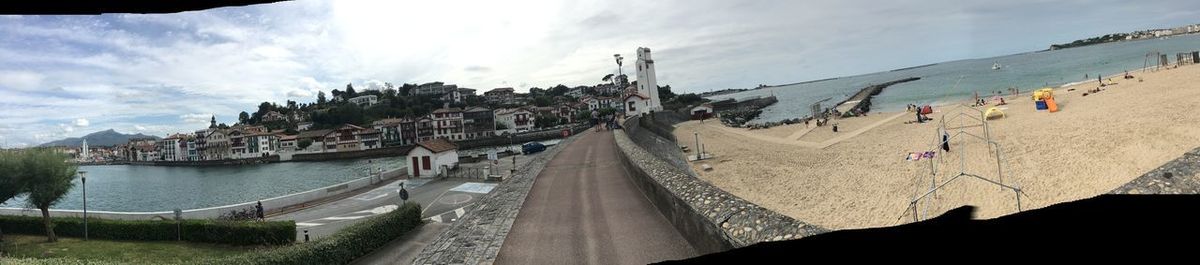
(425, 162)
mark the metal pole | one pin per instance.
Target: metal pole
(83, 178)
(698, 150)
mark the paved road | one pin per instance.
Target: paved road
(584, 209)
(442, 200)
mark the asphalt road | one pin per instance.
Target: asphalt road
(584, 209)
(436, 196)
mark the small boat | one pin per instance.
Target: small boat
(996, 66)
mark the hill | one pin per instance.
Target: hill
(102, 138)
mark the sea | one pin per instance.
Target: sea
(956, 81)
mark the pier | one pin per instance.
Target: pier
(861, 101)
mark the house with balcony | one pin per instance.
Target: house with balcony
(365, 100)
(479, 122)
(369, 139)
(424, 129)
(273, 116)
(448, 123)
(515, 120)
(344, 138)
(499, 95)
(391, 130)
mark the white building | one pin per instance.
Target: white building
(84, 153)
(647, 83)
(448, 124)
(365, 101)
(515, 120)
(304, 126)
(576, 92)
(432, 158)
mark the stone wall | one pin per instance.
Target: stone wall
(270, 205)
(711, 219)
(369, 153)
(519, 138)
(1177, 176)
(477, 237)
(223, 162)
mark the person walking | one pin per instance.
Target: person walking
(596, 119)
(258, 212)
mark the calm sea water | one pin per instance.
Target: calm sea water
(151, 188)
(1026, 71)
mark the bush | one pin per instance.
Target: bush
(206, 231)
(344, 247)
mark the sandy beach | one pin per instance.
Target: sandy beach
(859, 177)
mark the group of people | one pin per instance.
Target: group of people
(604, 122)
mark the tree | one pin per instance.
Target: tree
(10, 180)
(665, 94)
(47, 177)
(607, 78)
(501, 126)
(350, 91)
(304, 144)
(543, 121)
(222, 126)
(542, 101)
(243, 117)
(321, 98)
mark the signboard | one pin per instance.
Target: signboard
(491, 155)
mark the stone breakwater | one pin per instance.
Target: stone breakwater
(711, 219)
(863, 97)
(1178, 176)
(476, 238)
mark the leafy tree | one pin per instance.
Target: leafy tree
(543, 121)
(665, 94)
(350, 91)
(321, 98)
(542, 101)
(222, 126)
(559, 90)
(291, 131)
(47, 177)
(607, 78)
(304, 144)
(10, 180)
(336, 93)
(243, 117)
(501, 126)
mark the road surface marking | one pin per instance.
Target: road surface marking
(475, 187)
(308, 224)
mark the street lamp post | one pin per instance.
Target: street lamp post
(83, 178)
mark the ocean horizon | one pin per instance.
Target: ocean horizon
(958, 80)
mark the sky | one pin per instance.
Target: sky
(66, 76)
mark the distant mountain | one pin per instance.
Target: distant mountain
(102, 138)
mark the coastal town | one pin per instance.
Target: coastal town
(353, 121)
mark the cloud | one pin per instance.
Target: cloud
(195, 118)
(81, 122)
(139, 128)
(476, 68)
(20, 80)
(299, 94)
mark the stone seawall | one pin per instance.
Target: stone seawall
(711, 219)
(270, 206)
(369, 153)
(519, 138)
(205, 163)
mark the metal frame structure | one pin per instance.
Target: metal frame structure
(993, 147)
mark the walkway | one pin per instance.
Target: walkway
(584, 209)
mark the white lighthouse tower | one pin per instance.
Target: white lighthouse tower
(647, 84)
(84, 154)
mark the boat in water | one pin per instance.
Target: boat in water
(996, 66)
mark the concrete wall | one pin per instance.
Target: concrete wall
(269, 205)
(711, 219)
(223, 162)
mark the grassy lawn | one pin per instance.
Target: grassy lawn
(139, 252)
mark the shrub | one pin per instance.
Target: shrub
(207, 231)
(351, 243)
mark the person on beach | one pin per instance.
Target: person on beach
(258, 211)
(835, 127)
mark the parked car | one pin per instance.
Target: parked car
(532, 147)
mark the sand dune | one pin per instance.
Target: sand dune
(1094, 144)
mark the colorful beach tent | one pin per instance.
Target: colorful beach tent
(1053, 107)
(993, 113)
(926, 109)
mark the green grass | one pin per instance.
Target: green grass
(137, 252)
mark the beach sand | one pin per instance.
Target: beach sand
(858, 179)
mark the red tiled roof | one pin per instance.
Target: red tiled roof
(636, 95)
(438, 145)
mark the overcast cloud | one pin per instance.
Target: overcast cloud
(158, 74)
